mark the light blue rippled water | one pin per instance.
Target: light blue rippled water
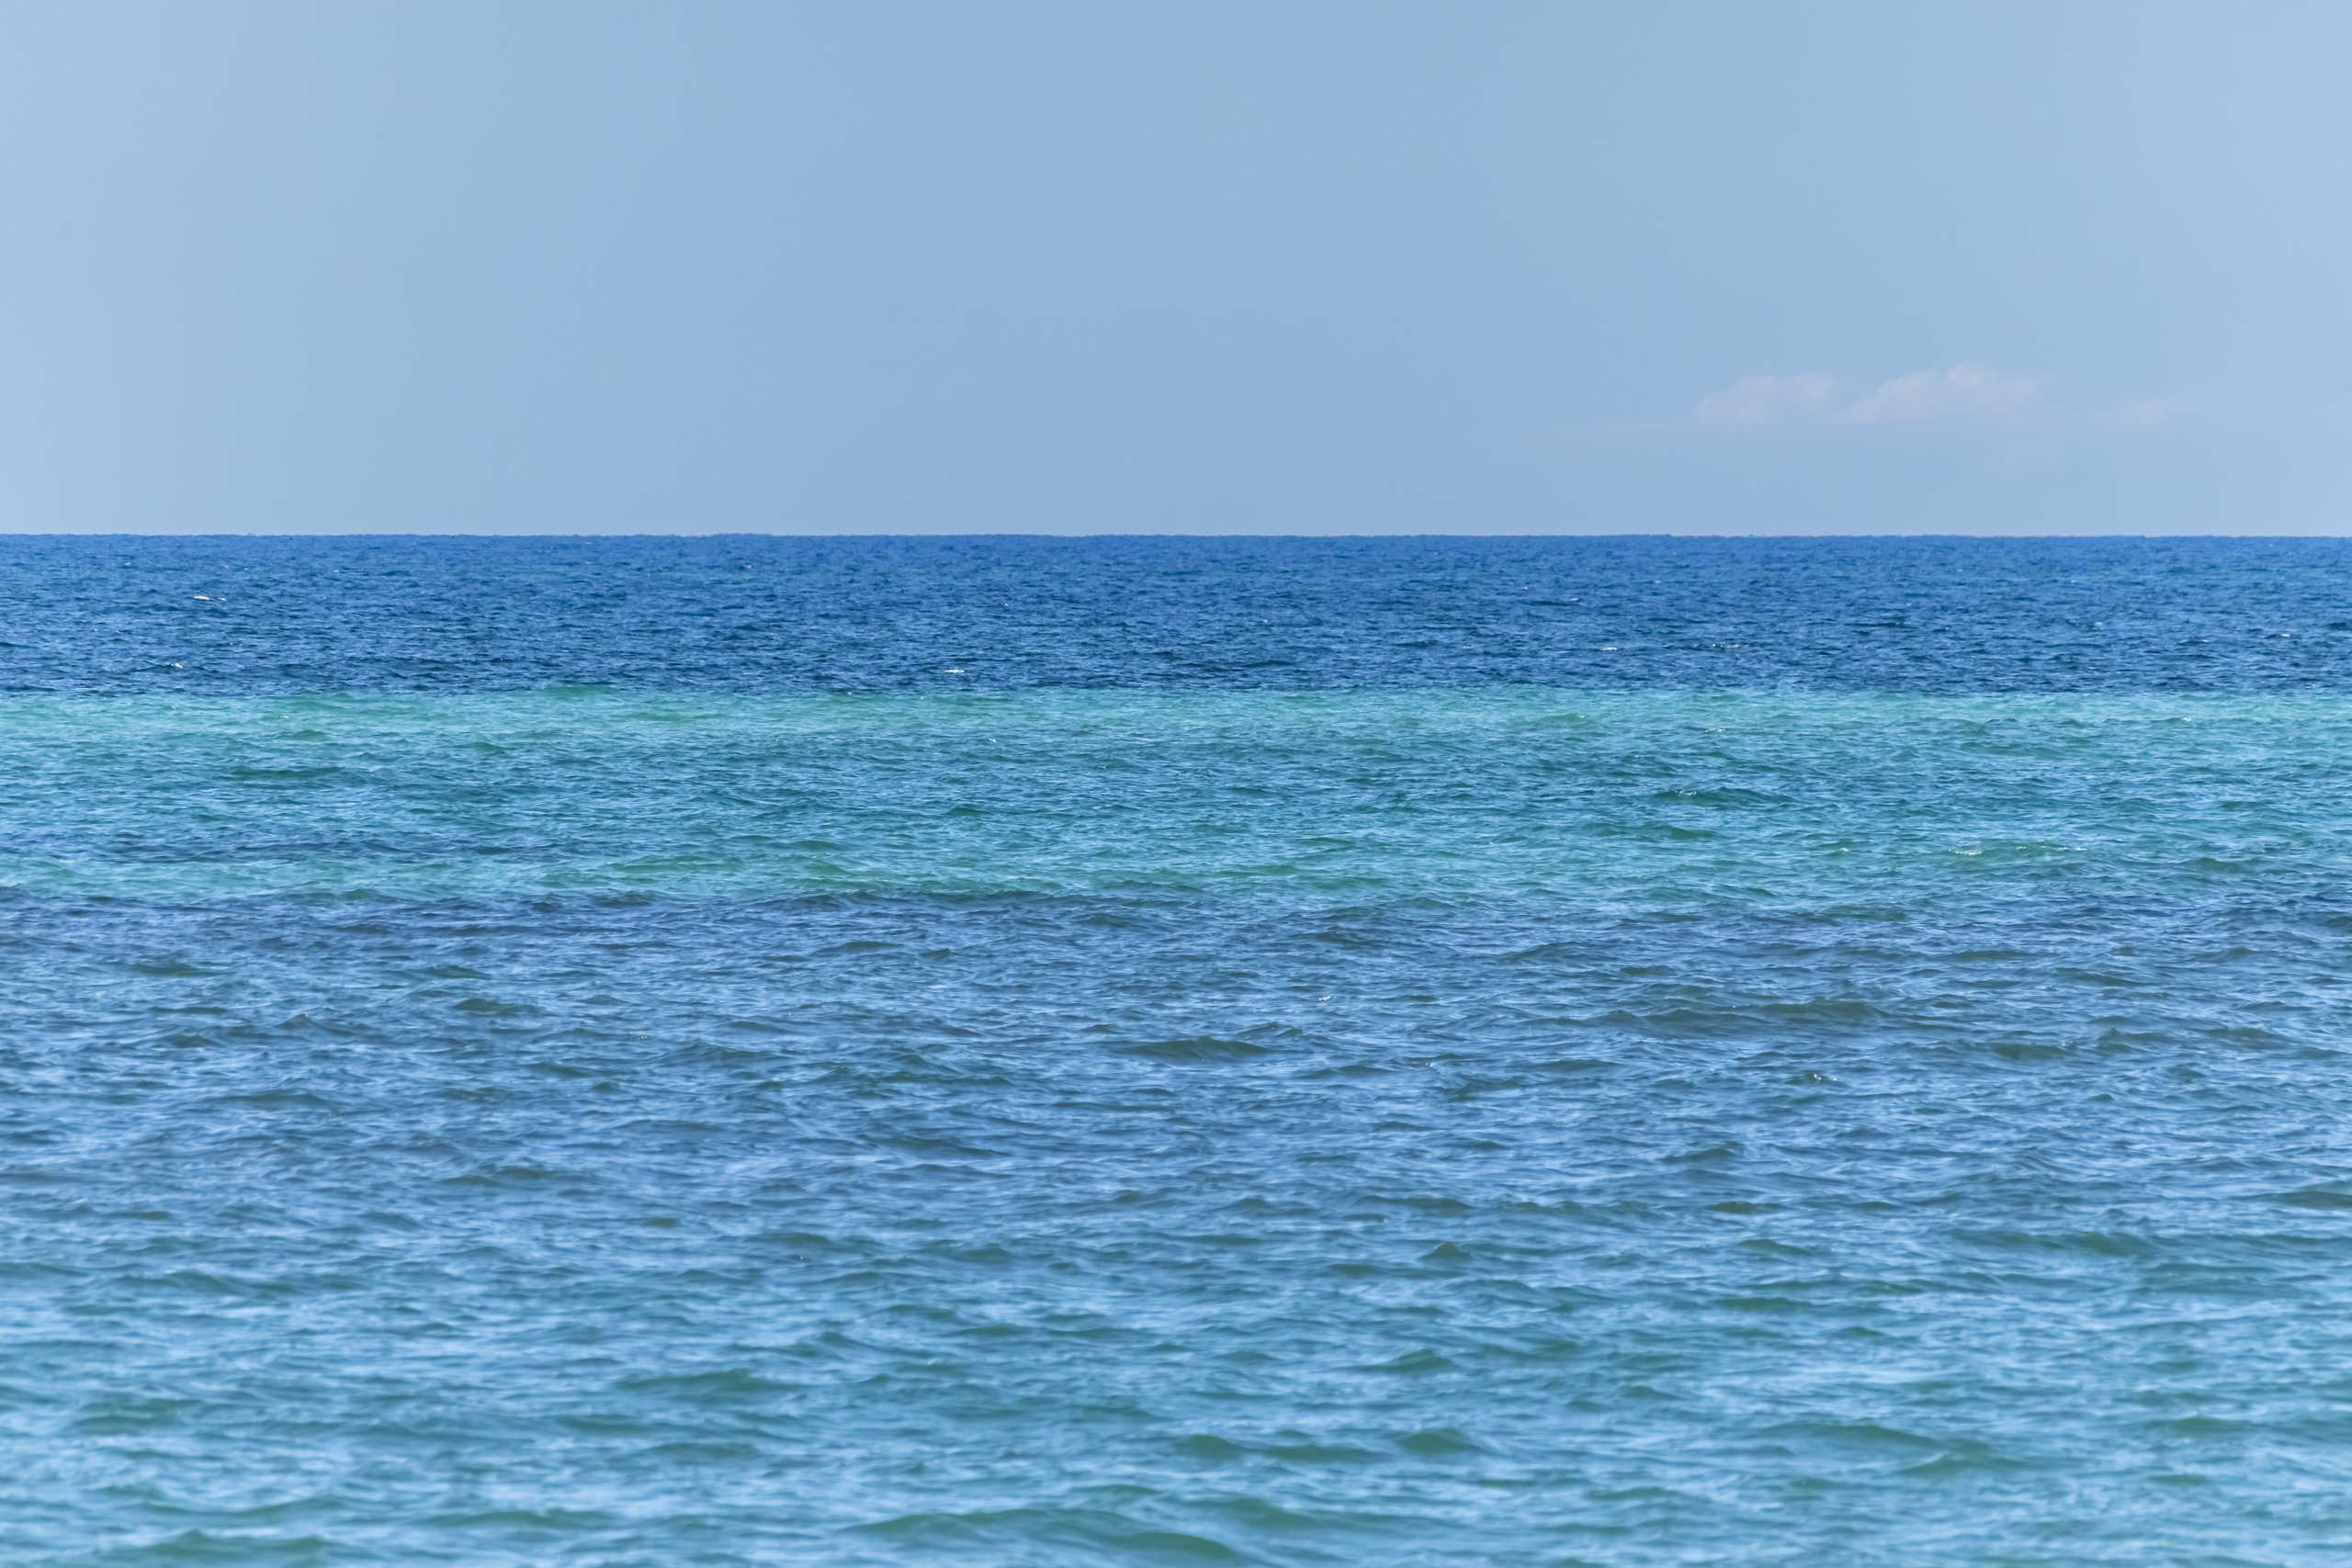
(1035, 1122)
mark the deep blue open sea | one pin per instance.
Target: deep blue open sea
(1025, 1052)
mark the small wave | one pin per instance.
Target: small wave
(1090, 1529)
(1202, 1048)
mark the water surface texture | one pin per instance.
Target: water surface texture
(1025, 1052)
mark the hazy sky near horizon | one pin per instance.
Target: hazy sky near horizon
(1319, 266)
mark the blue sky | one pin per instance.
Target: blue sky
(1192, 266)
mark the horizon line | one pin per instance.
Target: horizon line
(751, 534)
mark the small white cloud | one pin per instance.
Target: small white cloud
(1968, 393)
(1756, 402)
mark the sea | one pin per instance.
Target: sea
(1048, 1052)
